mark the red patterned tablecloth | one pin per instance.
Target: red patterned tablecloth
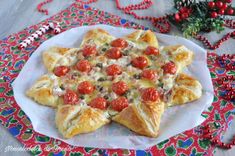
(12, 59)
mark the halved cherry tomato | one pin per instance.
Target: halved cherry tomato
(85, 87)
(89, 50)
(149, 74)
(99, 103)
(150, 50)
(113, 70)
(83, 66)
(119, 43)
(119, 87)
(61, 70)
(169, 68)
(150, 94)
(70, 97)
(114, 53)
(119, 104)
(140, 62)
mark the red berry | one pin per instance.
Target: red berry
(230, 11)
(183, 10)
(221, 11)
(211, 4)
(177, 17)
(214, 14)
(184, 15)
(224, 6)
(219, 4)
(228, 1)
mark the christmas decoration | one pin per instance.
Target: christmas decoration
(191, 17)
(220, 114)
(40, 5)
(210, 133)
(39, 33)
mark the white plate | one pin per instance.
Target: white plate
(175, 120)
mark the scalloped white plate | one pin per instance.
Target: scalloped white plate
(175, 120)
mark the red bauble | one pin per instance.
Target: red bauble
(211, 4)
(230, 11)
(224, 6)
(184, 15)
(177, 17)
(219, 4)
(214, 14)
(228, 1)
(221, 11)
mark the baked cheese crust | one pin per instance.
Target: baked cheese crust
(143, 117)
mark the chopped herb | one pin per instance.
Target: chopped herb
(62, 87)
(106, 96)
(106, 44)
(76, 74)
(100, 65)
(88, 58)
(100, 88)
(131, 100)
(152, 57)
(127, 93)
(136, 76)
(129, 64)
(101, 79)
(125, 53)
(103, 49)
(160, 84)
(82, 97)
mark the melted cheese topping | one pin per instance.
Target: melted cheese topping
(130, 75)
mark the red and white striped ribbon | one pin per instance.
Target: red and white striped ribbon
(42, 30)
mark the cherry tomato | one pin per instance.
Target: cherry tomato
(99, 103)
(85, 87)
(114, 53)
(70, 97)
(150, 94)
(119, 43)
(61, 70)
(140, 62)
(150, 50)
(89, 50)
(169, 68)
(119, 87)
(149, 74)
(83, 66)
(113, 70)
(119, 104)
